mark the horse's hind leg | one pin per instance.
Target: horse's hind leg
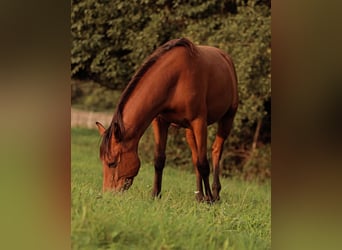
(223, 130)
(160, 129)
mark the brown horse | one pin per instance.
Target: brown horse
(182, 84)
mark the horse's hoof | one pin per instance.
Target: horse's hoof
(216, 198)
(156, 195)
(199, 196)
(209, 200)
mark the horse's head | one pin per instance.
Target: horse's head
(120, 162)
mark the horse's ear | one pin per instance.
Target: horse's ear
(101, 128)
(117, 132)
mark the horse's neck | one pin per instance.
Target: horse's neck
(141, 108)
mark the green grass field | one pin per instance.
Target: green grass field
(133, 220)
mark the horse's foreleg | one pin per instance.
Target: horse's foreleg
(200, 132)
(160, 129)
(192, 144)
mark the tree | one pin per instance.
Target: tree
(111, 38)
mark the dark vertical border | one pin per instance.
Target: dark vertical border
(306, 125)
(35, 124)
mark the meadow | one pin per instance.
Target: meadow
(133, 220)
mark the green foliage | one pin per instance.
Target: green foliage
(110, 39)
(241, 220)
(92, 97)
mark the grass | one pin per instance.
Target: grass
(133, 220)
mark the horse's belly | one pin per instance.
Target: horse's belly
(185, 112)
(175, 118)
(182, 119)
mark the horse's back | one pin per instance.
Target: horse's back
(206, 84)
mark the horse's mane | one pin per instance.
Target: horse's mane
(116, 125)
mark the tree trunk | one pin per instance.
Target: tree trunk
(256, 134)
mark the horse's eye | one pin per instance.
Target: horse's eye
(112, 164)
